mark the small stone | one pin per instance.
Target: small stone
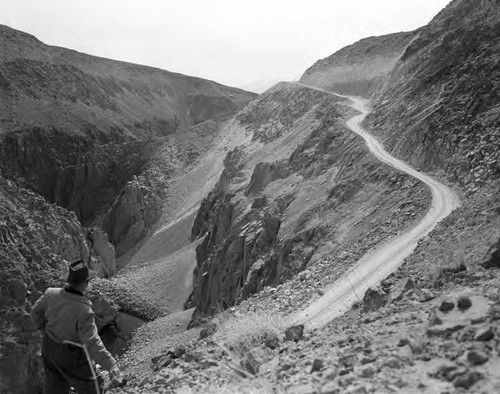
(317, 365)
(485, 334)
(348, 360)
(272, 341)
(303, 389)
(405, 353)
(446, 306)
(162, 361)
(464, 303)
(366, 360)
(445, 370)
(161, 381)
(426, 295)
(403, 342)
(400, 288)
(392, 363)
(468, 379)
(476, 357)
(359, 389)
(331, 388)
(294, 333)
(367, 372)
(374, 299)
(345, 371)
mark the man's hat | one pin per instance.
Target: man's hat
(78, 272)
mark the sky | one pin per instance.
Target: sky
(250, 44)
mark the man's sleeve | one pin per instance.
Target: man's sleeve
(38, 313)
(87, 332)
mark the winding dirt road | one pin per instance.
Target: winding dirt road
(375, 266)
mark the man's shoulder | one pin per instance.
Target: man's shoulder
(53, 290)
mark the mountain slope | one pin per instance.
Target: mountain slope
(430, 327)
(442, 105)
(436, 103)
(361, 68)
(76, 128)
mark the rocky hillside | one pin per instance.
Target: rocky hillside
(79, 135)
(75, 128)
(37, 239)
(441, 108)
(359, 69)
(293, 196)
(436, 102)
(283, 224)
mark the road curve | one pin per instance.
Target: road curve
(375, 266)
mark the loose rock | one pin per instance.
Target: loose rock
(476, 357)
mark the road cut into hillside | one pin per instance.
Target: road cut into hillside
(378, 264)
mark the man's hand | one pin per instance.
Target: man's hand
(115, 374)
(116, 379)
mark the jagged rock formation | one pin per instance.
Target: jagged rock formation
(284, 200)
(437, 85)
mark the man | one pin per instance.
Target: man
(66, 318)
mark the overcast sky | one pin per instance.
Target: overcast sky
(247, 43)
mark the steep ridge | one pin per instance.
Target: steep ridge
(292, 197)
(359, 69)
(443, 95)
(75, 128)
(439, 87)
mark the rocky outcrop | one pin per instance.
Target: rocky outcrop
(133, 213)
(263, 174)
(103, 251)
(494, 260)
(75, 172)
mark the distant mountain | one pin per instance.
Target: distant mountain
(75, 128)
(360, 68)
(46, 86)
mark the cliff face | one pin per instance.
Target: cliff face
(292, 196)
(436, 103)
